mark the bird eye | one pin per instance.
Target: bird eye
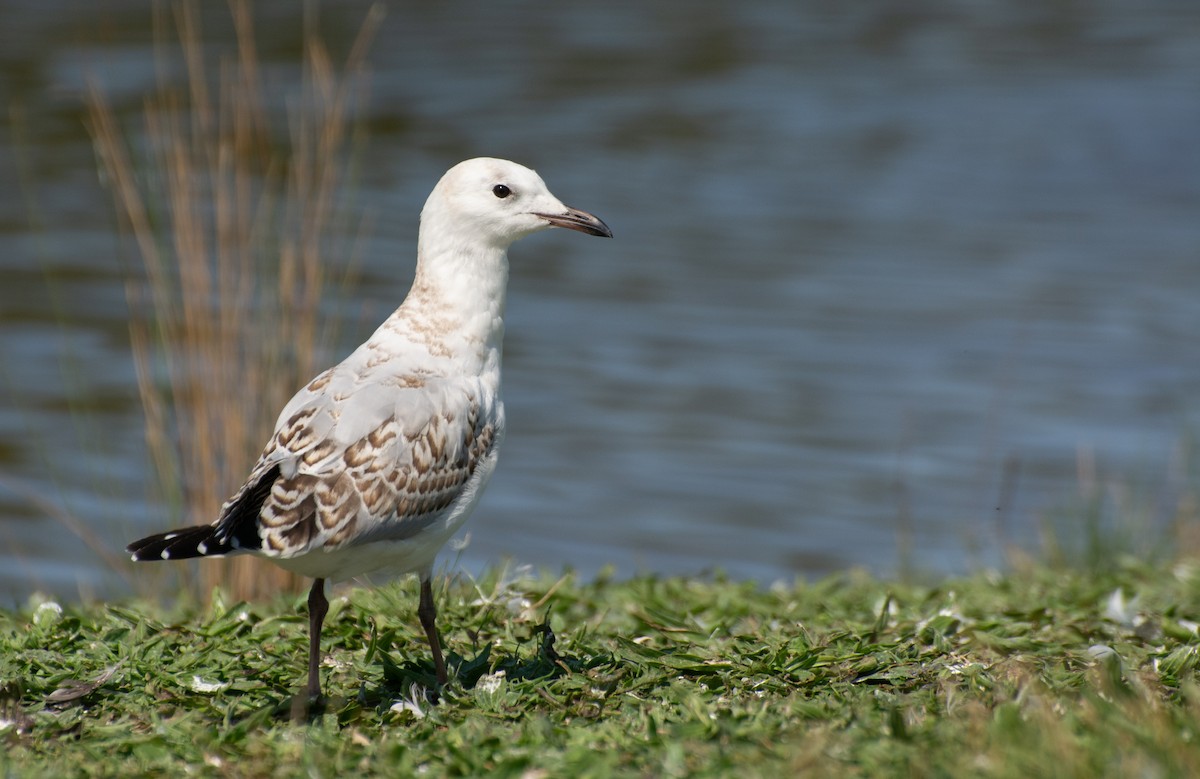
(501, 191)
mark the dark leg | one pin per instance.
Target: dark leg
(427, 613)
(318, 607)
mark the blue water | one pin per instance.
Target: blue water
(889, 288)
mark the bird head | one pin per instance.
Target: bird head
(498, 202)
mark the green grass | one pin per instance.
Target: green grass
(1038, 673)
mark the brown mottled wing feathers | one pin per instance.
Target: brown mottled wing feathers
(388, 483)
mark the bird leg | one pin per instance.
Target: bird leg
(427, 613)
(318, 607)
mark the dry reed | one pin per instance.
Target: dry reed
(233, 223)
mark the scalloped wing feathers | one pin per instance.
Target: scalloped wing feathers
(377, 461)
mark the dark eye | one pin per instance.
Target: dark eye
(501, 191)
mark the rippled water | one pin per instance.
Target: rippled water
(885, 281)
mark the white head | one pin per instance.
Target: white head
(494, 202)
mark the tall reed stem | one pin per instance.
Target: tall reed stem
(234, 211)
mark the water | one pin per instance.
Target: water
(885, 284)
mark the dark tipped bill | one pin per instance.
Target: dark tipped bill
(574, 219)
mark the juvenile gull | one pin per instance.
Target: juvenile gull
(377, 462)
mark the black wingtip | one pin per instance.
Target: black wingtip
(236, 530)
(198, 541)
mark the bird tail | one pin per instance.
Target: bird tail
(197, 541)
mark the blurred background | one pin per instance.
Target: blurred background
(900, 285)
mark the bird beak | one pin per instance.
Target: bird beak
(574, 219)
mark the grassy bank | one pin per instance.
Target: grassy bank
(1039, 673)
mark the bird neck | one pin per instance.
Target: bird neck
(455, 308)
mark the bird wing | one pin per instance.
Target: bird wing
(355, 460)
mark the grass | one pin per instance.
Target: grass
(235, 207)
(1040, 673)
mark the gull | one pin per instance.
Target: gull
(377, 462)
